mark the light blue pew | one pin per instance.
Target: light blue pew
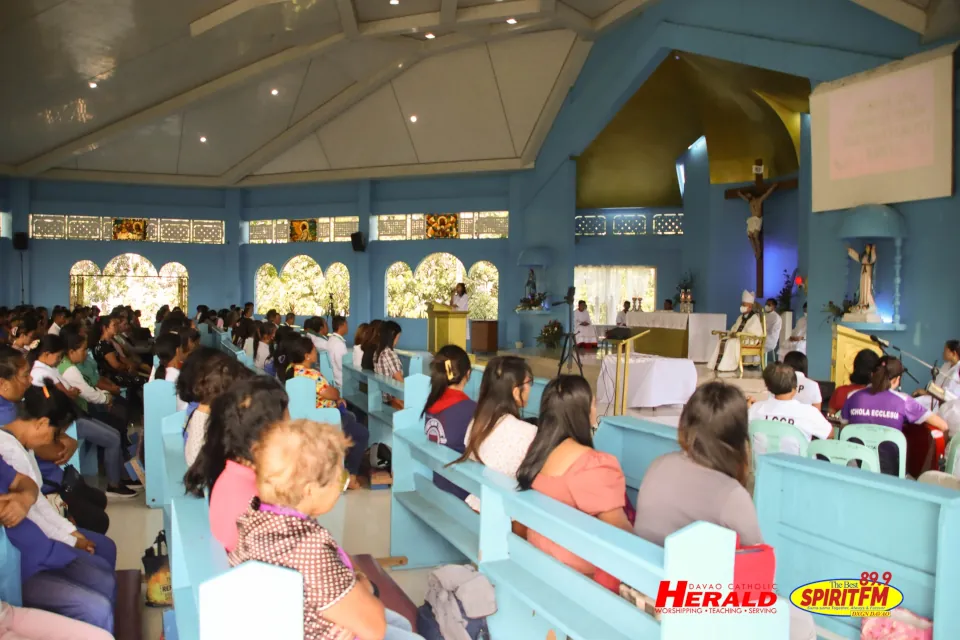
(84, 459)
(324, 367)
(535, 592)
(636, 443)
(159, 401)
(241, 356)
(828, 521)
(206, 593)
(414, 391)
(415, 361)
(9, 571)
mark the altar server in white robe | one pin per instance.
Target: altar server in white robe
(726, 355)
(586, 332)
(798, 339)
(774, 324)
(622, 315)
(948, 379)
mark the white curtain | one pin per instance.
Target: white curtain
(606, 288)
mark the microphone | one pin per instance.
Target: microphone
(880, 341)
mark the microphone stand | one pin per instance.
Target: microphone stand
(900, 353)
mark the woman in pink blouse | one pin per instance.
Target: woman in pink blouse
(224, 467)
(563, 464)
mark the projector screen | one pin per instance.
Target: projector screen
(885, 135)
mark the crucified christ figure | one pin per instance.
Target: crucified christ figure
(755, 221)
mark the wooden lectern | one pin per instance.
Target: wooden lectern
(445, 325)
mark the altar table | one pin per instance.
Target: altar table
(654, 381)
(679, 335)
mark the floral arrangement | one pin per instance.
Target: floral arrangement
(551, 335)
(785, 297)
(533, 302)
(835, 312)
(129, 229)
(685, 285)
(442, 225)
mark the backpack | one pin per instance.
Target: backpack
(428, 628)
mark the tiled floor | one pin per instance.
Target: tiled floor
(133, 527)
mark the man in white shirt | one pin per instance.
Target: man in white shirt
(337, 349)
(774, 324)
(316, 328)
(808, 391)
(586, 333)
(622, 315)
(798, 339)
(57, 320)
(783, 406)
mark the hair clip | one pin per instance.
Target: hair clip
(449, 367)
(46, 392)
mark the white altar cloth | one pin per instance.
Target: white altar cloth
(654, 381)
(700, 342)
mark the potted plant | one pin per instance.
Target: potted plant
(551, 335)
(533, 302)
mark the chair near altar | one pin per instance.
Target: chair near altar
(751, 346)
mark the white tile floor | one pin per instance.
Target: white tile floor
(133, 527)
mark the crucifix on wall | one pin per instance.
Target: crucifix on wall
(755, 196)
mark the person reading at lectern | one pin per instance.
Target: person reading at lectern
(460, 300)
(726, 356)
(622, 316)
(948, 379)
(586, 333)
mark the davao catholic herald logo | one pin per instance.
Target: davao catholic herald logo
(863, 598)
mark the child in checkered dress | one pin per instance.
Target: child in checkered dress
(300, 476)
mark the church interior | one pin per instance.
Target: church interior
(730, 187)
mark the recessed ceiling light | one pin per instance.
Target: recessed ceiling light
(203, 138)
(430, 36)
(413, 118)
(511, 21)
(93, 85)
(394, 2)
(274, 92)
(400, 66)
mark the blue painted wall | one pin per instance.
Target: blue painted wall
(818, 39)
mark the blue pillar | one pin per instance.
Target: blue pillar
(367, 292)
(510, 274)
(234, 276)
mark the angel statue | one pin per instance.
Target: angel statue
(866, 303)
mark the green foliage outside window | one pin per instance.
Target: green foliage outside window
(408, 293)
(302, 288)
(129, 279)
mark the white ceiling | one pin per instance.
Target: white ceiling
(220, 92)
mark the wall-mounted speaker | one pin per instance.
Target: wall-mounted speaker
(359, 244)
(20, 241)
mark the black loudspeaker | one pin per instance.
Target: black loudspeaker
(20, 241)
(359, 244)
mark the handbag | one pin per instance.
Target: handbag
(156, 569)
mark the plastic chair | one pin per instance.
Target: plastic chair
(776, 434)
(872, 435)
(940, 479)
(841, 452)
(953, 450)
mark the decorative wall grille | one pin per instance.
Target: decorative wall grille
(628, 224)
(171, 230)
(471, 225)
(336, 229)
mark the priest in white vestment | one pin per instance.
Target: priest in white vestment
(798, 339)
(586, 332)
(726, 355)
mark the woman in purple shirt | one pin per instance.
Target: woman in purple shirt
(881, 404)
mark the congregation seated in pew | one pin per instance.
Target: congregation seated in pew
(784, 405)
(882, 404)
(385, 359)
(299, 477)
(337, 348)
(448, 411)
(497, 436)
(808, 391)
(296, 356)
(224, 468)
(370, 346)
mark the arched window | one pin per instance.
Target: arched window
(302, 288)
(483, 285)
(338, 283)
(81, 274)
(408, 293)
(401, 293)
(129, 279)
